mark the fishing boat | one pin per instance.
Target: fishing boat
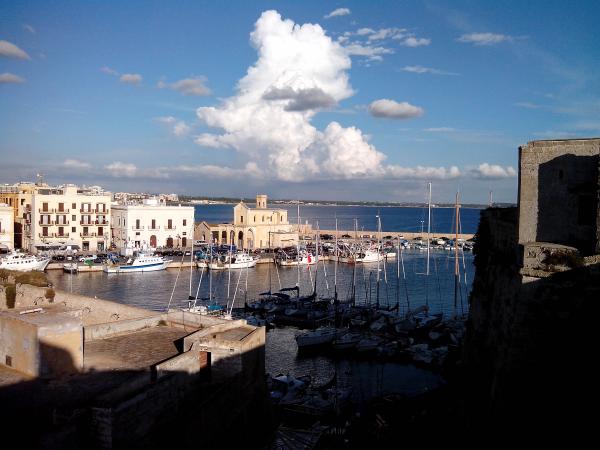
(141, 263)
(302, 259)
(24, 262)
(71, 267)
(239, 260)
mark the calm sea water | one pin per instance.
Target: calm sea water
(153, 291)
(392, 218)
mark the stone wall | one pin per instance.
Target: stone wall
(558, 193)
(531, 335)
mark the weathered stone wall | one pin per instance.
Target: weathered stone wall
(95, 310)
(558, 193)
(530, 339)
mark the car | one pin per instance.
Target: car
(58, 257)
(87, 258)
(200, 243)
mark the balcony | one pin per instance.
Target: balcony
(46, 211)
(154, 228)
(58, 235)
(46, 224)
(134, 228)
(62, 223)
(63, 211)
(170, 227)
(87, 211)
(102, 222)
(89, 223)
(88, 234)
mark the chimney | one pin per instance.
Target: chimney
(261, 201)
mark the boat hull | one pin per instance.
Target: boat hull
(129, 269)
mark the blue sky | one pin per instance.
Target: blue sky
(370, 102)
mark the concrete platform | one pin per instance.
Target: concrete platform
(132, 351)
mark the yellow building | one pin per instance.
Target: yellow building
(19, 197)
(7, 236)
(252, 228)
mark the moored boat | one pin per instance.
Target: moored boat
(142, 263)
(24, 262)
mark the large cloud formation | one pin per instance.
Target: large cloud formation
(299, 71)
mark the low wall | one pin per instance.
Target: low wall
(111, 329)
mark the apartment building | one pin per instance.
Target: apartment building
(69, 215)
(7, 235)
(151, 225)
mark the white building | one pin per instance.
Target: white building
(7, 235)
(151, 225)
(69, 216)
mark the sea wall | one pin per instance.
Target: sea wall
(530, 333)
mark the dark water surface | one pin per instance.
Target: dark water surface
(153, 291)
(392, 218)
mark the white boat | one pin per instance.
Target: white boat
(369, 256)
(303, 259)
(142, 263)
(23, 262)
(320, 336)
(238, 261)
(71, 267)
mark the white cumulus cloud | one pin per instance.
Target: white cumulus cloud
(298, 71)
(131, 78)
(415, 42)
(7, 77)
(484, 38)
(10, 50)
(486, 170)
(177, 127)
(338, 12)
(29, 28)
(393, 110)
(187, 86)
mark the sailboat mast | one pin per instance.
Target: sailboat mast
(191, 262)
(336, 261)
(298, 248)
(378, 244)
(456, 268)
(428, 224)
(354, 268)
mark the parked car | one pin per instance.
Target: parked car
(87, 258)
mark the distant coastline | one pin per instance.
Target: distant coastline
(232, 201)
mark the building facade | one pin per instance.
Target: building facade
(151, 225)
(252, 228)
(7, 235)
(68, 216)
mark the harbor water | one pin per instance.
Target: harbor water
(158, 290)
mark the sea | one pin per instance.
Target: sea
(403, 281)
(393, 218)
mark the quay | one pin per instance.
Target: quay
(408, 235)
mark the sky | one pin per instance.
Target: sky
(342, 100)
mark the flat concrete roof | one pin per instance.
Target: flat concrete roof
(137, 350)
(235, 334)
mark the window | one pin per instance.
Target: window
(154, 224)
(22, 201)
(184, 222)
(61, 231)
(100, 231)
(45, 231)
(74, 205)
(61, 207)
(73, 217)
(242, 219)
(73, 229)
(170, 224)
(85, 231)
(137, 224)
(44, 207)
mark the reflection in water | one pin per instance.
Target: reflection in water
(152, 291)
